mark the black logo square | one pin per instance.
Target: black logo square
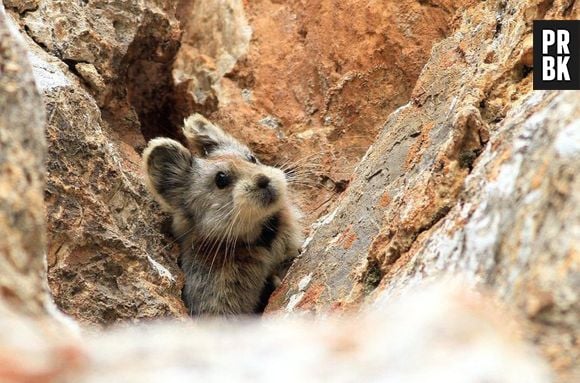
(556, 54)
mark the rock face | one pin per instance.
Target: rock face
(515, 228)
(473, 175)
(315, 82)
(22, 155)
(114, 75)
(107, 259)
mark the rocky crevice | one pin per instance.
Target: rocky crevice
(146, 75)
(469, 174)
(138, 70)
(107, 258)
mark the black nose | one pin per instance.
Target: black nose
(262, 181)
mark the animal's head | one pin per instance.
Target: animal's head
(219, 186)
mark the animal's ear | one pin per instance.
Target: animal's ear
(168, 169)
(205, 137)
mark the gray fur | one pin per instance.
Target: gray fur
(232, 239)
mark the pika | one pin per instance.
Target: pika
(232, 216)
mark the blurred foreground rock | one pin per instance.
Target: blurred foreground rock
(435, 336)
(22, 179)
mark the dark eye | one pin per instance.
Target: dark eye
(222, 180)
(252, 159)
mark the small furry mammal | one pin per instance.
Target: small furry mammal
(232, 216)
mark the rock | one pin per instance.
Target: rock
(107, 257)
(123, 50)
(516, 227)
(22, 179)
(89, 73)
(22, 5)
(103, 70)
(436, 335)
(470, 179)
(472, 175)
(383, 346)
(216, 35)
(328, 95)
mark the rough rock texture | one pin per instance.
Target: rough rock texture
(121, 52)
(316, 82)
(516, 227)
(107, 258)
(115, 74)
(475, 176)
(22, 155)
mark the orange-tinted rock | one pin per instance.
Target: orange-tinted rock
(461, 164)
(315, 82)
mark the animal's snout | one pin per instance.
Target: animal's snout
(262, 181)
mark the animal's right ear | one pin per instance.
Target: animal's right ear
(204, 136)
(168, 168)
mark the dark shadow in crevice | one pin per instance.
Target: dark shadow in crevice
(148, 80)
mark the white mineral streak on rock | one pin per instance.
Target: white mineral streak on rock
(296, 298)
(304, 282)
(159, 269)
(294, 301)
(46, 76)
(568, 140)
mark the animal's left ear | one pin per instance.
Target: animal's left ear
(205, 137)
